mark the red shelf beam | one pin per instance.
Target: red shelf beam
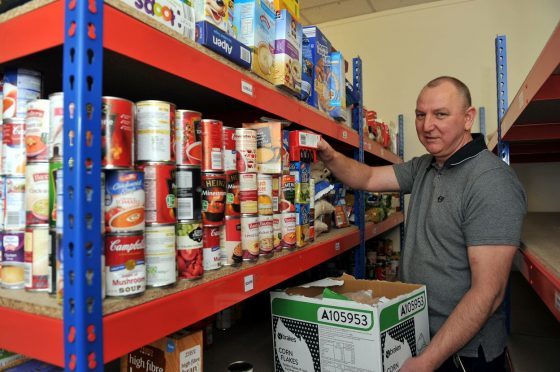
(533, 132)
(373, 230)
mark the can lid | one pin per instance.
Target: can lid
(188, 166)
(149, 162)
(240, 366)
(183, 111)
(103, 98)
(55, 94)
(249, 215)
(156, 101)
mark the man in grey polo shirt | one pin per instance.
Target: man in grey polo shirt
(462, 230)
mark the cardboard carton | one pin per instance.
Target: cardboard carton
(316, 49)
(213, 11)
(269, 146)
(291, 6)
(337, 86)
(287, 52)
(213, 38)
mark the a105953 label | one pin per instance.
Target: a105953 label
(412, 306)
(345, 317)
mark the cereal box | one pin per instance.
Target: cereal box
(337, 86)
(177, 15)
(291, 5)
(316, 49)
(287, 52)
(220, 42)
(215, 12)
(269, 146)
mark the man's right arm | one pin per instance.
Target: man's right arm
(355, 174)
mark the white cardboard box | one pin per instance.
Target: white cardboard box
(333, 333)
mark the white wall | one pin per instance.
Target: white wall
(542, 182)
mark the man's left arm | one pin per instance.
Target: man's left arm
(490, 268)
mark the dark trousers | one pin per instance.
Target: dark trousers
(475, 364)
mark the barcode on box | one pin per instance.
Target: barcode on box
(217, 160)
(15, 219)
(309, 139)
(245, 54)
(185, 209)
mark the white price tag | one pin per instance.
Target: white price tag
(344, 134)
(337, 246)
(247, 88)
(249, 283)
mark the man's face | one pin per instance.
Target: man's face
(442, 120)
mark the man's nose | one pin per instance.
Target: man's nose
(428, 124)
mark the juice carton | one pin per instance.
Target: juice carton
(288, 52)
(316, 49)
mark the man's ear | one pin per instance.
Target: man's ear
(470, 114)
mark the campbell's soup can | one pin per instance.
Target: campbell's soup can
(287, 193)
(288, 225)
(266, 231)
(124, 200)
(56, 123)
(188, 145)
(211, 254)
(155, 132)
(13, 147)
(36, 254)
(12, 274)
(275, 194)
(15, 203)
(233, 204)
(189, 190)
(250, 237)
(189, 249)
(277, 231)
(125, 266)
(229, 150)
(159, 187)
(230, 242)
(2, 203)
(56, 193)
(20, 87)
(213, 198)
(161, 267)
(117, 133)
(212, 145)
(264, 192)
(37, 127)
(37, 194)
(246, 150)
(248, 193)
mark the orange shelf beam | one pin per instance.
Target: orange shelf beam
(375, 229)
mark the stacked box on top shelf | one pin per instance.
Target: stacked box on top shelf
(291, 6)
(288, 52)
(213, 12)
(219, 41)
(337, 87)
(316, 50)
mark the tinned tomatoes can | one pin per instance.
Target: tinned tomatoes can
(188, 200)
(188, 146)
(15, 203)
(125, 266)
(246, 150)
(233, 206)
(37, 126)
(229, 150)
(13, 147)
(155, 132)
(161, 266)
(230, 242)
(159, 187)
(264, 192)
(189, 249)
(117, 133)
(124, 200)
(266, 230)
(248, 193)
(213, 198)
(211, 253)
(212, 145)
(250, 237)
(37, 193)
(36, 254)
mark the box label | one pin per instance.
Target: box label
(191, 359)
(345, 318)
(403, 310)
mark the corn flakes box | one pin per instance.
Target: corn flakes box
(288, 52)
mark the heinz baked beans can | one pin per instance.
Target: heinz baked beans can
(250, 237)
(155, 132)
(229, 150)
(188, 145)
(264, 192)
(248, 193)
(12, 275)
(56, 193)
(15, 203)
(211, 254)
(37, 127)
(277, 231)
(13, 147)
(233, 205)
(246, 150)
(230, 242)
(213, 198)
(125, 266)
(212, 145)
(20, 87)
(124, 200)
(36, 255)
(266, 231)
(37, 193)
(288, 226)
(117, 133)
(56, 123)
(189, 249)
(188, 200)
(161, 265)
(159, 187)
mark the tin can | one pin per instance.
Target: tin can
(277, 231)
(264, 191)
(124, 200)
(161, 266)
(20, 87)
(36, 256)
(15, 203)
(155, 133)
(288, 226)
(1, 99)
(37, 127)
(189, 249)
(233, 205)
(230, 242)
(248, 193)
(230, 161)
(266, 231)
(117, 133)
(213, 198)
(56, 193)
(2, 203)
(275, 194)
(159, 187)
(188, 146)
(37, 194)
(125, 268)
(211, 253)
(288, 194)
(12, 275)
(56, 123)
(13, 147)
(212, 145)
(188, 200)
(250, 237)
(246, 150)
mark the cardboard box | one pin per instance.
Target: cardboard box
(213, 38)
(180, 352)
(291, 5)
(335, 333)
(337, 86)
(212, 11)
(177, 15)
(287, 52)
(269, 146)
(316, 49)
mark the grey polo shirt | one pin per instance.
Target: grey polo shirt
(474, 199)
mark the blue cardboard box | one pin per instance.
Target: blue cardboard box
(316, 50)
(220, 42)
(337, 86)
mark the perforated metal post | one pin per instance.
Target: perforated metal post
(82, 84)
(359, 206)
(502, 93)
(400, 149)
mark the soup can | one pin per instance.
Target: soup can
(2, 203)
(56, 122)
(12, 275)
(124, 200)
(56, 193)
(288, 226)
(275, 194)
(229, 150)
(37, 193)
(246, 150)
(159, 187)
(233, 205)
(1, 99)
(117, 133)
(211, 253)
(155, 132)
(250, 237)
(15, 203)
(36, 255)
(189, 249)
(230, 242)
(188, 182)
(125, 267)
(13, 147)
(277, 231)
(288, 193)
(213, 198)
(212, 145)
(264, 192)
(20, 87)
(161, 266)
(188, 146)
(248, 193)
(266, 231)
(37, 127)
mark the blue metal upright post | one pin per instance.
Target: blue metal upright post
(502, 93)
(82, 84)
(359, 206)
(400, 148)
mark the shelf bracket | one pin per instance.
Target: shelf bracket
(501, 93)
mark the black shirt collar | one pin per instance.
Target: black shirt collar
(468, 151)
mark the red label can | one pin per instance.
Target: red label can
(288, 194)
(246, 150)
(37, 126)
(13, 147)
(37, 193)
(212, 143)
(125, 268)
(188, 148)
(230, 242)
(159, 186)
(233, 206)
(277, 231)
(229, 150)
(248, 193)
(213, 198)
(276, 194)
(266, 230)
(155, 132)
(250, 237)
(211, 254)
(56, 119)
(117, 133)
(264, 190)
(189, 249)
